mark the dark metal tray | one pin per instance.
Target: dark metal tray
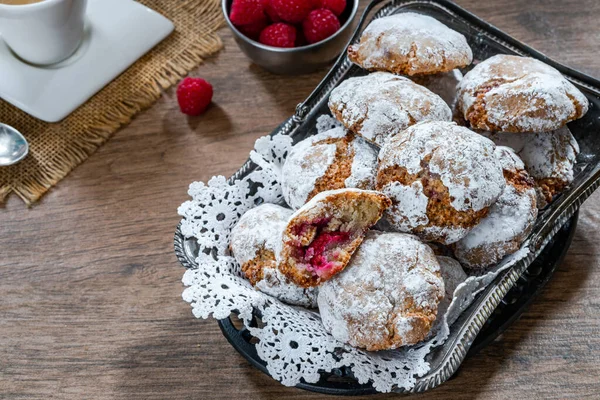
(516, 301)
(485, 40)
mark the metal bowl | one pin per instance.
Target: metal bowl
(296, 60)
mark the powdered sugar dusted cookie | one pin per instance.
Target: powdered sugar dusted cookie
(380, 105)
(410, 44)
(441, 178)
(321, 236)
(549, 158)
(256, 242)
(444, 85)
(509, 221)
(334, 159)
(453, 275)
(388, 295)
(518, 94)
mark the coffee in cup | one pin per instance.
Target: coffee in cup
(19, 2)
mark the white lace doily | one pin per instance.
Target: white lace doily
(293, 341)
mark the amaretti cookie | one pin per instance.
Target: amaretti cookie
(256, 242)
(509, 221)
(410, 44)
(442, 178)
(452, 275)
(320, 237)
(549, 158)
(444, 85)
(518, 94)
(380, 105)
(388, 295)
(334, 159)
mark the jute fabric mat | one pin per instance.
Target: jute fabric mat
(55, 149)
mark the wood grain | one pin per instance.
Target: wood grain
(91, 296)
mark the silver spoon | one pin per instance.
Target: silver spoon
(13, 146)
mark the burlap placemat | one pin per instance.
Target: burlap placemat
(55, 149)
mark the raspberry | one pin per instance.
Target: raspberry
(278, 35)
(292, 11)
(194, 95)
(319, 25)
(335, 6)
(244, 12)
(253, 30)
(271, 13)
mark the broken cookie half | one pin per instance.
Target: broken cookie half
(321, 236)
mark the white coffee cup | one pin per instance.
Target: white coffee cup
(43, 33)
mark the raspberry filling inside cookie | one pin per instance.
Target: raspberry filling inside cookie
(318, 248)
(323, 249)
(322, 236)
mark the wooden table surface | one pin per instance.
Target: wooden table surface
(90, 289)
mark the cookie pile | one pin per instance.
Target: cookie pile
(425, 164)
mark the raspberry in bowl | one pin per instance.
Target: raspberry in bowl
(291, 36)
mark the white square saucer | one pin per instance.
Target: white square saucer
(117, 33)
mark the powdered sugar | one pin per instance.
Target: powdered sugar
(310, 159)
(508, 217)
(259, 228)
(326, 122)
(411, 208)
(508, 159)
(444, 84)
(277, 285)
(464, 162)
(545, 154)
(509, 221)
(262, 228)
(364, 165)
(445, 234)
(420, 44)
(380, 105)
(367, 305)
(526, 95)
(305, 164)
(453, 275)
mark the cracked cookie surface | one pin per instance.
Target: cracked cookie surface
(518, 94)
(441, 179)
(380, 105)
(410, 44)
(509, 221)
(334, 159)
(388, 295)
(256, 242)
(549, 158)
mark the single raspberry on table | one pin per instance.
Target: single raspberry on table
(253, 30)
(194, 95)
(335, 6)
(319, 25)
(292, 11)
(278, 35)
(244, 12)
